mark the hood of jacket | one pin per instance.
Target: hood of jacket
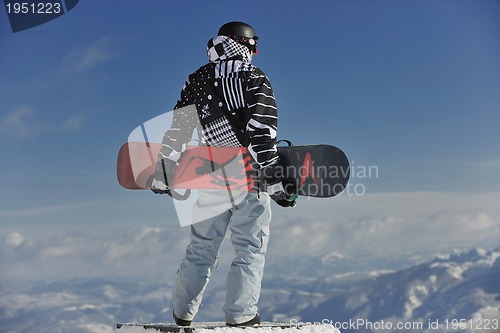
(224, 48)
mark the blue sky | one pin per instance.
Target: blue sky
(412, 87)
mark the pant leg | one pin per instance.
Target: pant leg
(199, 262)
(249, 235)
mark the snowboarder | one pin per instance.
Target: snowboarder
(235, 106)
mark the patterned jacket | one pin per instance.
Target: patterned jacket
(234, 102)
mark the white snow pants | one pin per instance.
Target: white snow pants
(248, 222)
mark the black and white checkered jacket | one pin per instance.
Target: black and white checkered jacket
(234, 102)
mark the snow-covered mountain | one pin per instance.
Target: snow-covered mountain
(460, 292)
(462, 288)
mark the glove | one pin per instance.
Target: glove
(158, 181)
(281, 189)
(160, 187)
(287, 195)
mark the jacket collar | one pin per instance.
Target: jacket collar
(224, 48)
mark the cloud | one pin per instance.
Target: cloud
(14, 239)
(86, 58)
(74, 122)
(24, 122)
(386, 225)
(74, 254)
(44, 211)
(19, 122)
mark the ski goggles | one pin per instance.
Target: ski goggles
(251, 43)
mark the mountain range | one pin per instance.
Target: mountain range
(459, 292)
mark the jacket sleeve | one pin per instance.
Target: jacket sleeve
(184, 121)
(262, 120)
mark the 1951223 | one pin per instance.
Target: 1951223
(33, 8)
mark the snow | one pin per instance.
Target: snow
(313, 328)
(453, 269)
(98, 328)
(303, 329)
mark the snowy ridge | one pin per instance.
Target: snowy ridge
(463, 286)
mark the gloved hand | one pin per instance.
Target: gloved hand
(282, 190)
(158, 181)
(285, 196)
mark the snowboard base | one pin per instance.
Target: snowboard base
(320, 171)
(172, 328)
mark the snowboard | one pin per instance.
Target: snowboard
(172, 328)
(316, 170)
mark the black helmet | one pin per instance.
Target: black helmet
(241, 33)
